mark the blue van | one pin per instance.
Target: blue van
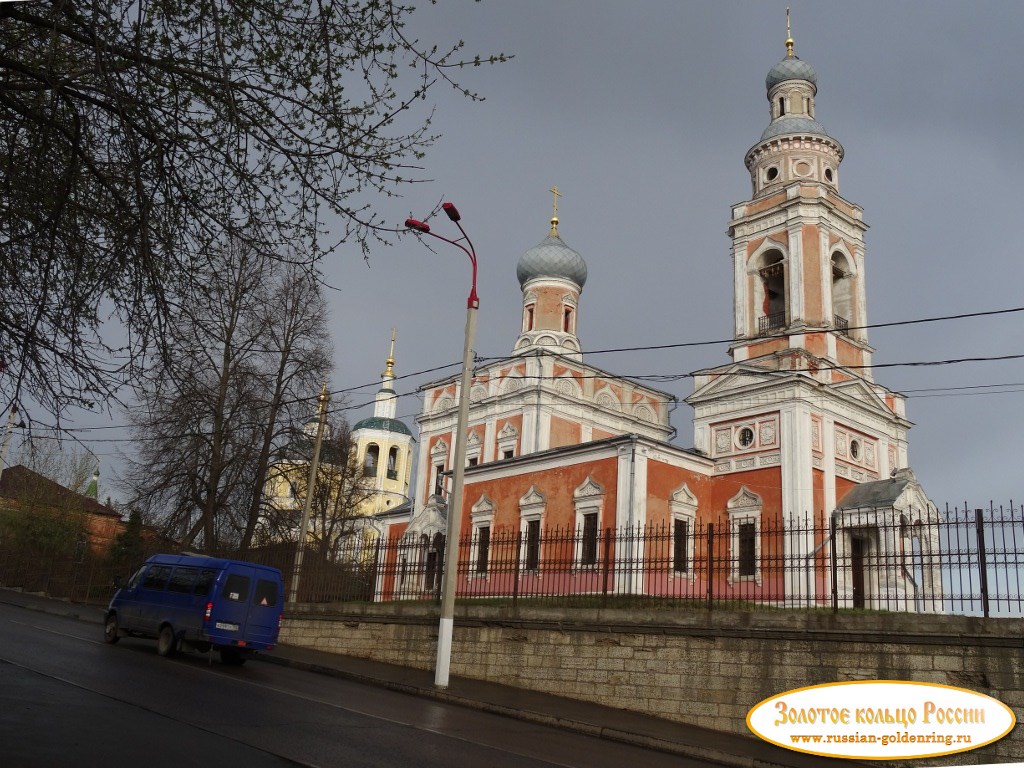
(189, 601)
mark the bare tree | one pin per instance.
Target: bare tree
(341, 489)
(136, 134)
(247, 350)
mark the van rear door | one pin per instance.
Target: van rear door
(265, 609)
(226, 624)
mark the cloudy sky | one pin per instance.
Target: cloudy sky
(641, 113)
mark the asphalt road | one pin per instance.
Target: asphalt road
(68, 699)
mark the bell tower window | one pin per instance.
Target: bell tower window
(842, 299)
(567, 320)
(528, 319)
(771, 290)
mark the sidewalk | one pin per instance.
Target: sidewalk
(582, 717)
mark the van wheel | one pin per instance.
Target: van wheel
(110, 632)
(166, 643)
(231, 657)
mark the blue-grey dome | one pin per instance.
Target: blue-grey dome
(552, 258)
(793, 124)
(791, 68)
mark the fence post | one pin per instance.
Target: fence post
(711, 563)
(515, 569)
(606, 565)
(834, 564)
(979, 525)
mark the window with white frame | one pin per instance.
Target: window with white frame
(438, 460)
(683, 509)
(473, 449)
(507, 439)
(531, 516)
(482, 517)
(745, 536)
(589, 501)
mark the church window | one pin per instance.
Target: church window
(567, 320)
(680, 536)
(370, 460)
(532, 560)
(745, 437)
(771, 290)
(508, 453)
(588, 500)
(855, 449)
(842, 290)
(528, 320)
(828, 174)
(393, 463)
(588, 540)
(782, 106)
(483, 548)
(772, 174)
(472, 461)
(746, 536)
(744, 511)
(439, 479)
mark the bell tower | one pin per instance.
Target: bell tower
(797, 245)
(797, 418)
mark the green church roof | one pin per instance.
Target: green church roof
(383, 423)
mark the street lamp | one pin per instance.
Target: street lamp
(451, 550)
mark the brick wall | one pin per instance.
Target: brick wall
(704, 668)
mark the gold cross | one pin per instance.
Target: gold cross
(554, 218)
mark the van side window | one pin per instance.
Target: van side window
(156, 577)
(265, 594)
(204, 582)
(236, 587)
(182, 580)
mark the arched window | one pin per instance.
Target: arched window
(393, 463)
(842, 292)
(370, 460)
(528, 318)
(770, 289)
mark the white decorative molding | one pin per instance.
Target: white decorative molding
(439, 448)
(484, 507)
(723, 466)
(606, 399)
(588, 489)
(744, 463)
(532, 498)
(566, 385)
(508, 432)
(723, 438)
(644, 413)
(477, 393)
(772, 459)
(444, 404)
(744, 499)
(767, 433)
(816, 461)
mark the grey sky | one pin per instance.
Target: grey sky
(641, 113)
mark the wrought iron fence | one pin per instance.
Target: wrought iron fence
(957, 561)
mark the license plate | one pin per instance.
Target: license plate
(225, 625)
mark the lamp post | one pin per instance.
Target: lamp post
(322, 400)
(451, 549)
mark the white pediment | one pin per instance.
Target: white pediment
(532, 498)
(429, 521)
(745, 499)
(484, 507)
(588, 490)
(508, 432)
(733, 379)
(683, 496)
(440, 447)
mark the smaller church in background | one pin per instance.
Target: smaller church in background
(795, 445)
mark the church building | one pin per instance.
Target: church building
(795, 446)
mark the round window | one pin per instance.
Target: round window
(855, 449)
(745, 437)
(772, 174)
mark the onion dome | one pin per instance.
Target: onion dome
(791, 68)
(551, 257)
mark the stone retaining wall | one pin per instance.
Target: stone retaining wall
(704, 668)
